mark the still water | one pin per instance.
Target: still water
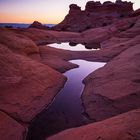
(66, 111)
(66, 46)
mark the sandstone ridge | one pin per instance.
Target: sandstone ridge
(94, 15)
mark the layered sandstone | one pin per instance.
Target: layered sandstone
(95, 15)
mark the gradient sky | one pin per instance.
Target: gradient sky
(45, 11)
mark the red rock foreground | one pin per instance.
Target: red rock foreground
(26, 85)
(122, 127)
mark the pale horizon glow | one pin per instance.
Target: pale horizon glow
(44, 11)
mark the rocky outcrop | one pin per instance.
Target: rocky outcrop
(38, 25)
(26, 86)
(111, 90)
(123, 127)
(135, 13)
(95, 15)
(115, 91)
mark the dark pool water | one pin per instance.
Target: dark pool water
(66, 111)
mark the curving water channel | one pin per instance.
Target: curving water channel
(66, 111)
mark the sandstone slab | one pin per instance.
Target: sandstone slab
(17, 43)
(27, 86)
(115, 88)
(122, 127)
(10, 129)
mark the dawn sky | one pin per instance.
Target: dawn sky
(45, 11)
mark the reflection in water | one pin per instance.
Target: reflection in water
(66, 110)
(66, 46)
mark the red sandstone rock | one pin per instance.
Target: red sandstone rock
(74, 8)
(123, 127)
(57, 58)
(114, 89)
(95, 15)
(10, 129)
(42, 37)
(135, 13)
(26, 86)
(17, 43)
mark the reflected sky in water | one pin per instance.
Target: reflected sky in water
(66, 46)
(66, 111)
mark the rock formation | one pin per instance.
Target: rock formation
(113, 89)
(116, 128)
(94, 15)
(26, 85)
(135, 13)
(29, 80)
(38, 25)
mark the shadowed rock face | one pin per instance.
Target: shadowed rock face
(74, 8)
(135, 13)
(122, 127)
(94, 15)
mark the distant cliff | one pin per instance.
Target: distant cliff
(94, 15)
